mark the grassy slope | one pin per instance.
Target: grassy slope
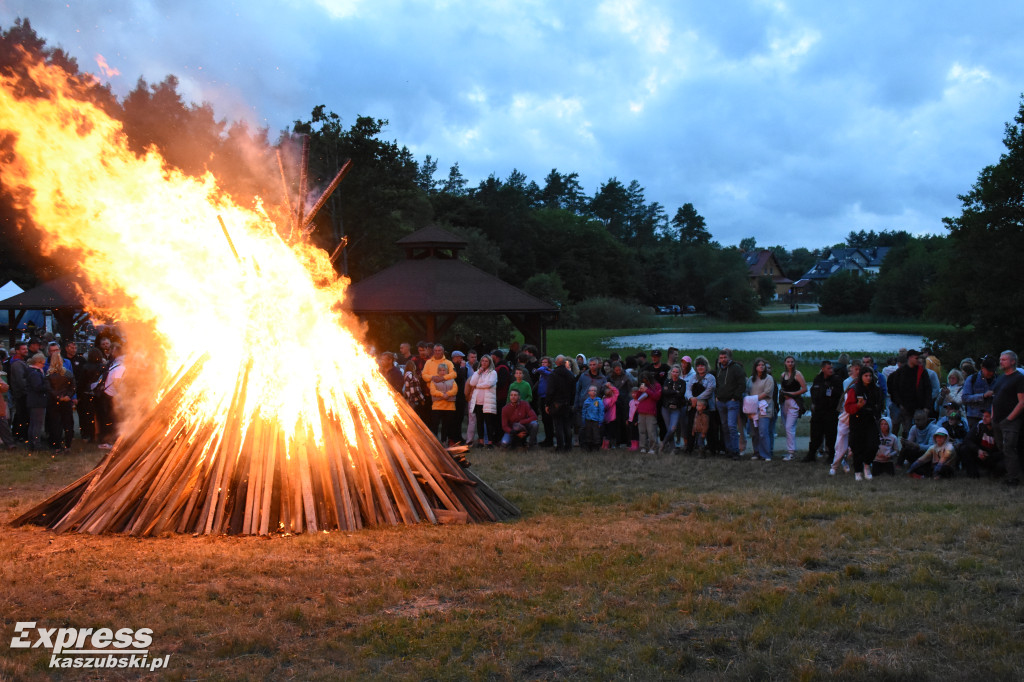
(623, 566)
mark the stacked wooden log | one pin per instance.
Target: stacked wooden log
(176, 472)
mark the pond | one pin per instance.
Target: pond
(790, 341)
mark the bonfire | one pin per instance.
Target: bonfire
(249, 426)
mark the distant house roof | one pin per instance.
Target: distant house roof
(824, 269)
(763, 262)
(876, 255)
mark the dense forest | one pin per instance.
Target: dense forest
(615, 246)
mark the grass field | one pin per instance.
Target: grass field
(623, 566)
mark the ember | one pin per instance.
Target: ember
(240, 438)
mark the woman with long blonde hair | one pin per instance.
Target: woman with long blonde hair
(60, 418)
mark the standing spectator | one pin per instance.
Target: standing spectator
(591, 377)
(911, 389)
(36, 398)
(792, 387)
(1007, 405)
(483, 402)
(393, 375)
(91, 372)
(424, 350)
(561, 392)
(864, 405)
(842, 447)
(702, 390)
(647, 411)
(978, 392)
(762, 385)
(18, 375)
(404, 354)
(504, 375)
(673, 406)
(6, 439)
(624, 384)
(108, 393)
(521, 384)
(611, 426)
(439, 373)
(593, 418)
(542, 375)
(729, 386)
(660, 372)
(412, 389)
(60, 416)
(462, 374)
(952, 393)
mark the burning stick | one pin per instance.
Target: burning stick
(284, 189)
(227, 236)
(303, 175)
(307, 222)
(337, 250)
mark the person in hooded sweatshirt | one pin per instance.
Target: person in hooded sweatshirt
(888, 449)
(939, 460)
(920, 437)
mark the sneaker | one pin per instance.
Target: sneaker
(831, 471)
(867, 472)
(643, 451)
(846, 467)
(788, 458)
(858, 477)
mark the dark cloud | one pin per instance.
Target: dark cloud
(791, 122)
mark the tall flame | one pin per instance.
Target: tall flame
(134, 224)
(252, 305)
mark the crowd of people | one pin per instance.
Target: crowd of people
(904, 416)
(43, 384)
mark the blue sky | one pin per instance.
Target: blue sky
(792, 122)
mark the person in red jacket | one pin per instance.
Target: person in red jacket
(518, 421)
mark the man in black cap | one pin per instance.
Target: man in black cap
(911, 389)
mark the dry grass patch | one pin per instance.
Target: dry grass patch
(623, 566)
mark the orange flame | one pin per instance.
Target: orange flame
(134, 225)
(105, 68)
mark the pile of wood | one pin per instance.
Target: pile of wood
(177, 473)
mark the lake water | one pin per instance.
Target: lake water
(797, 341)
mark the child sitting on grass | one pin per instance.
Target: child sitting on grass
(888, 450)
(941, 455)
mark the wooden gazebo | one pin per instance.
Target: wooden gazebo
(432, 287)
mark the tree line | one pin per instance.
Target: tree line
(552, 237)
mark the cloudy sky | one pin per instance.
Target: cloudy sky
(792, 122)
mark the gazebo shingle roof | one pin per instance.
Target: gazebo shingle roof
(439, 286)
